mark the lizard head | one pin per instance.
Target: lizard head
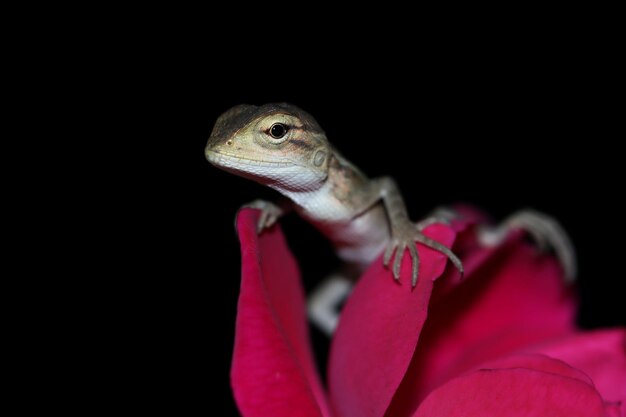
(278, 145)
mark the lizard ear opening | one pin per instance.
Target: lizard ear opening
(320, 160)
(320, 157)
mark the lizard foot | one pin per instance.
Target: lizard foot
(407, 237)
(270, 213)
(324, 302)
(545, 231)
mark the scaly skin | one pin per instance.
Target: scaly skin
(283, 147)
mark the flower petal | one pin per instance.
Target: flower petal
(273, 373)
(537, 362)
(599, 354)
(517, 392)
(378, 331)
(515, 297)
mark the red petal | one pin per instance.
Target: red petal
(553, 390)
(515, 297)
(273, 373)
(599, 354)
(537, 362)
(378, 332)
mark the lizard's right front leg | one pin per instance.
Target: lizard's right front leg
(270, 212)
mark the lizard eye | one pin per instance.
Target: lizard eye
(278, 130)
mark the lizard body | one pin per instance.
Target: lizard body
(283, 147)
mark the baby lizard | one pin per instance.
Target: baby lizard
(283, 147)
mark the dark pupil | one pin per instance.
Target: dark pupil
(278, 130)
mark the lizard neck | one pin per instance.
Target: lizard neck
(341, 209)
(333, 200)
(304, 198)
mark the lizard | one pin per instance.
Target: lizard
(283, 147)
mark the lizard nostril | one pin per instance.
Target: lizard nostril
(229, 142)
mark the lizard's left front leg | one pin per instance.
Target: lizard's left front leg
(404, 233)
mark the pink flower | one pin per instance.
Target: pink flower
(502, 342)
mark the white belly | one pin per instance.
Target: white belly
(357, 240)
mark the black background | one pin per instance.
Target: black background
(502, 128)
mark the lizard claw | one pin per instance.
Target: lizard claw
(393, 245)
(270, 213)
(407, 237)
(397, 262)
(415, 264)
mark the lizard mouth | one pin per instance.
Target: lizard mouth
(227, 160)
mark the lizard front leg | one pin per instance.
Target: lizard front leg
(404, 233)
(270, 212)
